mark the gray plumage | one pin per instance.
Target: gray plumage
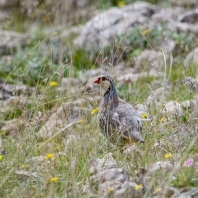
(117, 119)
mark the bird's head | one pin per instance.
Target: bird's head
(104, 81)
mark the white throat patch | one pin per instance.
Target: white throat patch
(104, 85)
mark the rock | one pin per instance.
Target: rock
(101, 29)
(28, 6)
(8, 4)
(37, 159)
(192, 83)
(4, 16)
(64, 115)
(23, 175)
(164, 165)
(184, 3)
(191, 58)
(10, 40)
(8, 90)
(38, 164)
(91, 73)
(107, 161)
(18, 101)
(149, 59)
(128, 76)
(183, 27)
(158, 96)
(168, 46)
(189, 17)
(165, 192)
(165, 15)
(113, 182)
(141, 109)
(132, 149)
(12, 127)
(65, 82)
(193, 193)
(76, 30)
(4, 95)
(172, 108)
(186, 104)
(70, 85)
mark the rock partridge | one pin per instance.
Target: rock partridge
(117, 118)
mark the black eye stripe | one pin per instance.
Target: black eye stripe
(104, 78)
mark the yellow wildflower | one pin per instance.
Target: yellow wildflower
(80, 121)
(157, 190)
(25, 165)
(94, 111)
(138, 187)
(146, 31)
(53, 179)
(111, 189)
(57, 148)
(121, 4)
(168, 155)
(1, 157)
(49, 156)
(53, 83)
(162, 119)
(145, 115)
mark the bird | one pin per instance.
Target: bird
(117, 119)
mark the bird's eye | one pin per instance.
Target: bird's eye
(103, 78)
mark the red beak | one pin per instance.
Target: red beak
(97, 81)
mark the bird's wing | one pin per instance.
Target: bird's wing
(125, 120)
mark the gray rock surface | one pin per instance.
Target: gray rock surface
(112, 182)
(149, 59)
(184, 3)
(191, 58)
(7, 4)
(189, 17)
(192, 193)
(101, 29)
(192, 83)
(10, 40)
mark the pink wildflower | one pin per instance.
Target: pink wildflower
(189, 162)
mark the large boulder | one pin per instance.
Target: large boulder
(101, 29)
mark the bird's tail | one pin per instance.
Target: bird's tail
(137, 136)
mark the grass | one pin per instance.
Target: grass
(70, 163)
(67, 172)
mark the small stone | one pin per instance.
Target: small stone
(172, 108)
(165, 165)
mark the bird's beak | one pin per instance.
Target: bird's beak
(97, 81)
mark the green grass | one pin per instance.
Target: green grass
(37, 65)
(71, 165)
